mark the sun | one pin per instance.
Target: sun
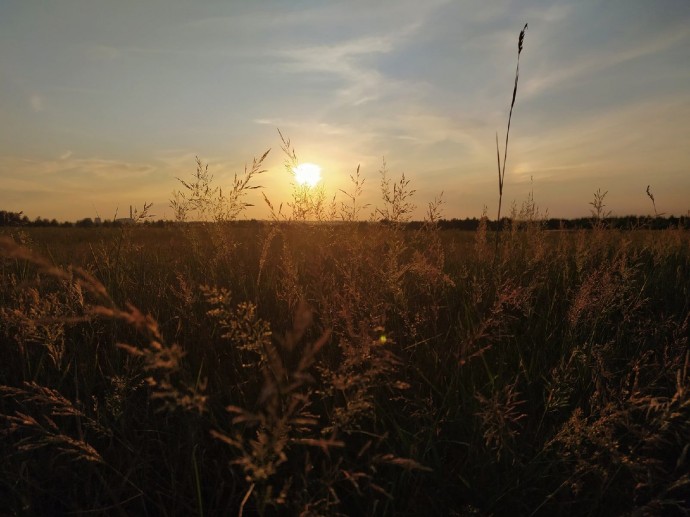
(308, 174)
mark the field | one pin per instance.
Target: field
(356, 369)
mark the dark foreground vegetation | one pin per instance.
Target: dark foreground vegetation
(346, 369)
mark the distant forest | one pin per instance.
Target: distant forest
(629, 222)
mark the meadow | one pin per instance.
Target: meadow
(302, 367)
(353, 369)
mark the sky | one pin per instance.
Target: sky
(103, 104)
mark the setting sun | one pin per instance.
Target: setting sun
(308, 174)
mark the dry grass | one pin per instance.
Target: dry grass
(358, 369)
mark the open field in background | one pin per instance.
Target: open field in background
(358, 369)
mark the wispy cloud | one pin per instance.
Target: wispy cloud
(43, 186)
(346, 60)
(77, 172)
(612, 143)
(596, 60)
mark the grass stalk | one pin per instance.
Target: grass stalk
(502, 166)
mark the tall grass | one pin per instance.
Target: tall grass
(369, 369)
(502, 166)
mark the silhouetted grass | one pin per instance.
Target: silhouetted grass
(356, 369)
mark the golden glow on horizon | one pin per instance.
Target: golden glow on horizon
(308, 174)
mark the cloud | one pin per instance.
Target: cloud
(67, 187)
(346, 61)
(368, 108)
(609, 144)
(556, 72)
(77, 173)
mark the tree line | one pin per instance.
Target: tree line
(630, 222)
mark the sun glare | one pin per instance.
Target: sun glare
(308, 174)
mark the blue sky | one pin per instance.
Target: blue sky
(105, 103)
